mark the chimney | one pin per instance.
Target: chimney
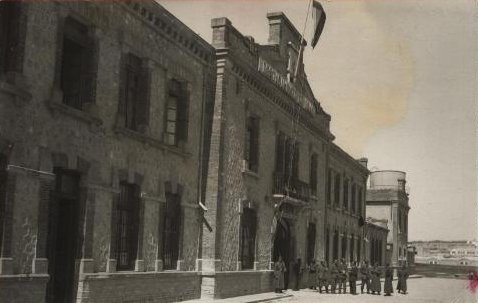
(363, 162)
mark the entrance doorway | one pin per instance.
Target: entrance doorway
(62, 236)
(282, 242)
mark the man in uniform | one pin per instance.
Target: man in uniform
(342, 268)
(312, 275)
(334, 276)
(365, 276)
(322, 276)
(353, 274)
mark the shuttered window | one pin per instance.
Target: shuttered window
(171, 231)
(354, 198)
(252, 143)
(3, 192)
(135, 92)
(177, 113)
(313, 174)
(280, 152)
(127, 228)
(337, 190)
(248, 238)
(346, 204)
(311, 232)
(78, 64)
(9, 15)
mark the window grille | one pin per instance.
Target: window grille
(128, 226)
(171, 231)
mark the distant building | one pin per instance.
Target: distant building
(376, 233)
(387, 199)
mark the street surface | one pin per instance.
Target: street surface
(433, 290)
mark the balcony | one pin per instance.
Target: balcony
(290, 187)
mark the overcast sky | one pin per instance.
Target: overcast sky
(400, 81)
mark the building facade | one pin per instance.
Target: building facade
(102, 124)
(345, 210)
(387, 199)
(376, 241)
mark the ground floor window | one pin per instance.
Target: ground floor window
(248, 238)
(127, 226)
(311, 231)
(3, 193)
(171, 231)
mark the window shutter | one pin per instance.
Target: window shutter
(183, 113)
(142, 109)
(89, 71)
(59, 51)
(280, 149)
(122, 90)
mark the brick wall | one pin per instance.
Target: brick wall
(231, 284)
(139, 287)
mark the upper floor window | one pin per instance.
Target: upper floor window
(177, 113)
(287, 156)
(313, 174)
(127, 228)
(78, 65)
(346, 204)
(329, 186)
(171, 231)
(360, 201)
(9, 16)
(135, 89)
(337, 190)
(248, 238)
(354, 198)
(3, 193)
(252, 143)
(280, 152)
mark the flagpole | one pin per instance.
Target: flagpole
(302, 40)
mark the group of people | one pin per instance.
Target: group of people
(334, 277)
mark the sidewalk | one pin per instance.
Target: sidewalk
(270, 296)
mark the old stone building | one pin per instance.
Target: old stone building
(345, 211)
(387, 199)
(102, 123)
(376, 233)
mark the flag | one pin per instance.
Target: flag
(318, 15)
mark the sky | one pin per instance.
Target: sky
(399, 79)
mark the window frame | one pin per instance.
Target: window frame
(172, 226)
(127, 226)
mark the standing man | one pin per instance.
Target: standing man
(279, 270)
(321, 278)
(297, 272)
(313, 275)
(353, 274)
(342, 276)
(365, 276)
(402, 279)
(376, 284)
(334, 276)
(388, 287)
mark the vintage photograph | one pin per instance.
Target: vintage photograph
(235, 151)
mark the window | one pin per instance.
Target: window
(354, 198)
(252, 143)
(248, 238)
(335, 248)
(177, 108)
(329, 187)
(360, 201)
(344, 246)
(9, 14)
(78, 65)
(171, 231)
(280, 153)
(3, 193)
(352, 248)
(337, 190)
(127, 226)
(313, 174)
(311, 231)
(359, 248)
(346, 204)
(291, 158)
(399, 221)
(327, 245)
